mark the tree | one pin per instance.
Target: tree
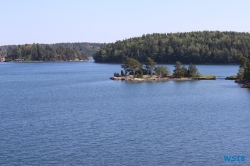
(150, 65)
(184, 71)
(131, 64)
(116, 74)
(240, 74)
(122, 73)
(178, 71)
(247, 71)
(192, 70)
(244, 70)
(140, 74)
(243, 60)
(162, 71)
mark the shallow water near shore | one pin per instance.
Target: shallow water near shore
(73, 114)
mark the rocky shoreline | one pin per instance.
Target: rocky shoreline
(246, 84)
(156, 78)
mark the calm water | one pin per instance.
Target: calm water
(72, 114)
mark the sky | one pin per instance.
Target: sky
(104, 21)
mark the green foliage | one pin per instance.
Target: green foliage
(150, 65)
(184, 71)
(247, 71)
(38, 52)
(162, 71)
(116, 75)
(85, 49)
(187, 47)
(243, 60)
(178, 71)
(139, 74)
(192, 71)
(240, 74)
(131, 65)
(134, 67)
(244, 70)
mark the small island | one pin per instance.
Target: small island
(135, 71)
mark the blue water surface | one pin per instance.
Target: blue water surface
(73, 114)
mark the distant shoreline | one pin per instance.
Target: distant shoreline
(173, 63)
(45, 61)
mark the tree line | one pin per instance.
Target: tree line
(38, 52)
(88, 48)
(84, 49)
(188, 47)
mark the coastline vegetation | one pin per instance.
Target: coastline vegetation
(243, 75)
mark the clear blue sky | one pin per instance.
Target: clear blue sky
(53, 21)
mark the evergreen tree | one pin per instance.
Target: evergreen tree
(150, 65)
(244, 70)
(184, 71)
(139, 74)
(192, 71)
(162, 71)
(131, 65)
(178, 71)
(240, 74)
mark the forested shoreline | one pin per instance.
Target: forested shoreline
(49, 52)
(212, 47)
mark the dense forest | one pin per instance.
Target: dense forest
(88, 48)
(49, 52)
(187, 47)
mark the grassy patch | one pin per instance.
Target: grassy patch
(211, 76)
